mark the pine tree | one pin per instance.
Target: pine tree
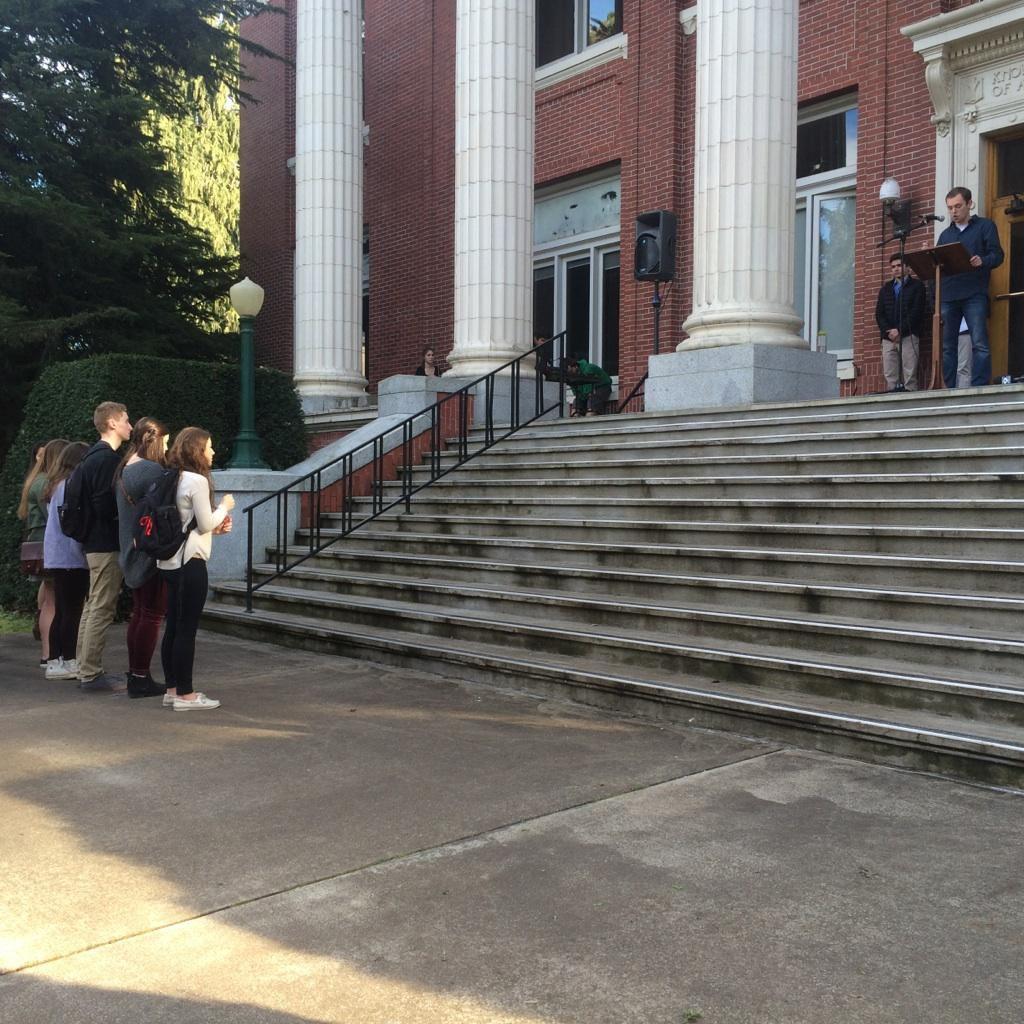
(98, 252)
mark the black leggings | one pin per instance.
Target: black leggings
(186, 596)
(70, 589)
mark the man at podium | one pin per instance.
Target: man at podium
(966, 295)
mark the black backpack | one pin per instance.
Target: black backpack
(76, 512)
(156, 522)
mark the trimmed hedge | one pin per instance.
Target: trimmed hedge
(180, 392)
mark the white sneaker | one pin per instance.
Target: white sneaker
(168, 700)
(58, 668)
(200, 703)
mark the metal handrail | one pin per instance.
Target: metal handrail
(637, 389)
(312, 483)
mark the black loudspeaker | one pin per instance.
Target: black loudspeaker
(655, 251)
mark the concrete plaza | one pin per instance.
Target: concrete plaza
(346, 842)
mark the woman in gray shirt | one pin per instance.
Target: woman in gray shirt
(143, 464)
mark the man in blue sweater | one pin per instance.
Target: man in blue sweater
(966, 295)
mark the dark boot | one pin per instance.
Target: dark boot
(144, 686)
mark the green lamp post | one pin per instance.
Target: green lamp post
(247, 300)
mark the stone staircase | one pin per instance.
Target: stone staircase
(840, 575)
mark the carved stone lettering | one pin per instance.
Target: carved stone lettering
(1008, 82)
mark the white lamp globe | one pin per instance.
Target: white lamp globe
(246, 297)
(890, 190)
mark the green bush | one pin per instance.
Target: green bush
(179, 392)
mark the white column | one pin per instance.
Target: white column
(494, 98)
(328, 203)
(745, 175)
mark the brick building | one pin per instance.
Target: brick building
(927, 91)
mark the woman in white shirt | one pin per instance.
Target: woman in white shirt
(184, 572)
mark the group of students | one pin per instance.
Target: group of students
(82, 578)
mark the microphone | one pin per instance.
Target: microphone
(933, 217)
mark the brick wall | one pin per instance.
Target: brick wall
(636, 113)
(410, 108)
(267, 227)
(863, 51)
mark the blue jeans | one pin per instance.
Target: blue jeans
(975, 309)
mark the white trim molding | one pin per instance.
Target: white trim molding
(613, 48)
(974, 70)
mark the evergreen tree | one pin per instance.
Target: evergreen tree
(202, 152)
(96, 251)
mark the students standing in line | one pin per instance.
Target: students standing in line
(32, 511)
(185, 571)
(101, 545)
(64, 560)
(142, 464)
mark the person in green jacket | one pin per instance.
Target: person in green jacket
(591, 387)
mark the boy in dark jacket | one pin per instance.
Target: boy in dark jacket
(900, 313)
(101, 545)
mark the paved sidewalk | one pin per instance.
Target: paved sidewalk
(352, 843)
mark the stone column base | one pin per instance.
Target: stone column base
(710, 378)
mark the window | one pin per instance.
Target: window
(826, 210)
(576, 269)
(570, 26)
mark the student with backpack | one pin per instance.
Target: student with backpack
(184, 571)
(65, 563)
(141, 467)
(89, 514)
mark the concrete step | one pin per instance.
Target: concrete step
(412, 579)
(843, 675)
(893, 540)
(990, 751)
(876, 438)
(918, 644)
(989, 460)
(938, 512)
(969, 408)
(961, 574)
(867, 485)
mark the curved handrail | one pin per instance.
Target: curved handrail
(430, 418)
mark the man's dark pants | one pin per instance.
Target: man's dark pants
(975, 310)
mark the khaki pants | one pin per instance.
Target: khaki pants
(104, 587)
(964, 361)
(891, 361)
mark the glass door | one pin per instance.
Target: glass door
(578, 292)
(834, 233)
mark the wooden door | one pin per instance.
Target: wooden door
(1006, 287)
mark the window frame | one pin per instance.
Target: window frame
(559, 254)
(584, 55)
(811, 190)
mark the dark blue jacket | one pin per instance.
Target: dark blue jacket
(914, 307)
(979, 238)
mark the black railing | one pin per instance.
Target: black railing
(450, 412)
(634, 401)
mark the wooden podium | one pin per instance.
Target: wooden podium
(942, 259)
